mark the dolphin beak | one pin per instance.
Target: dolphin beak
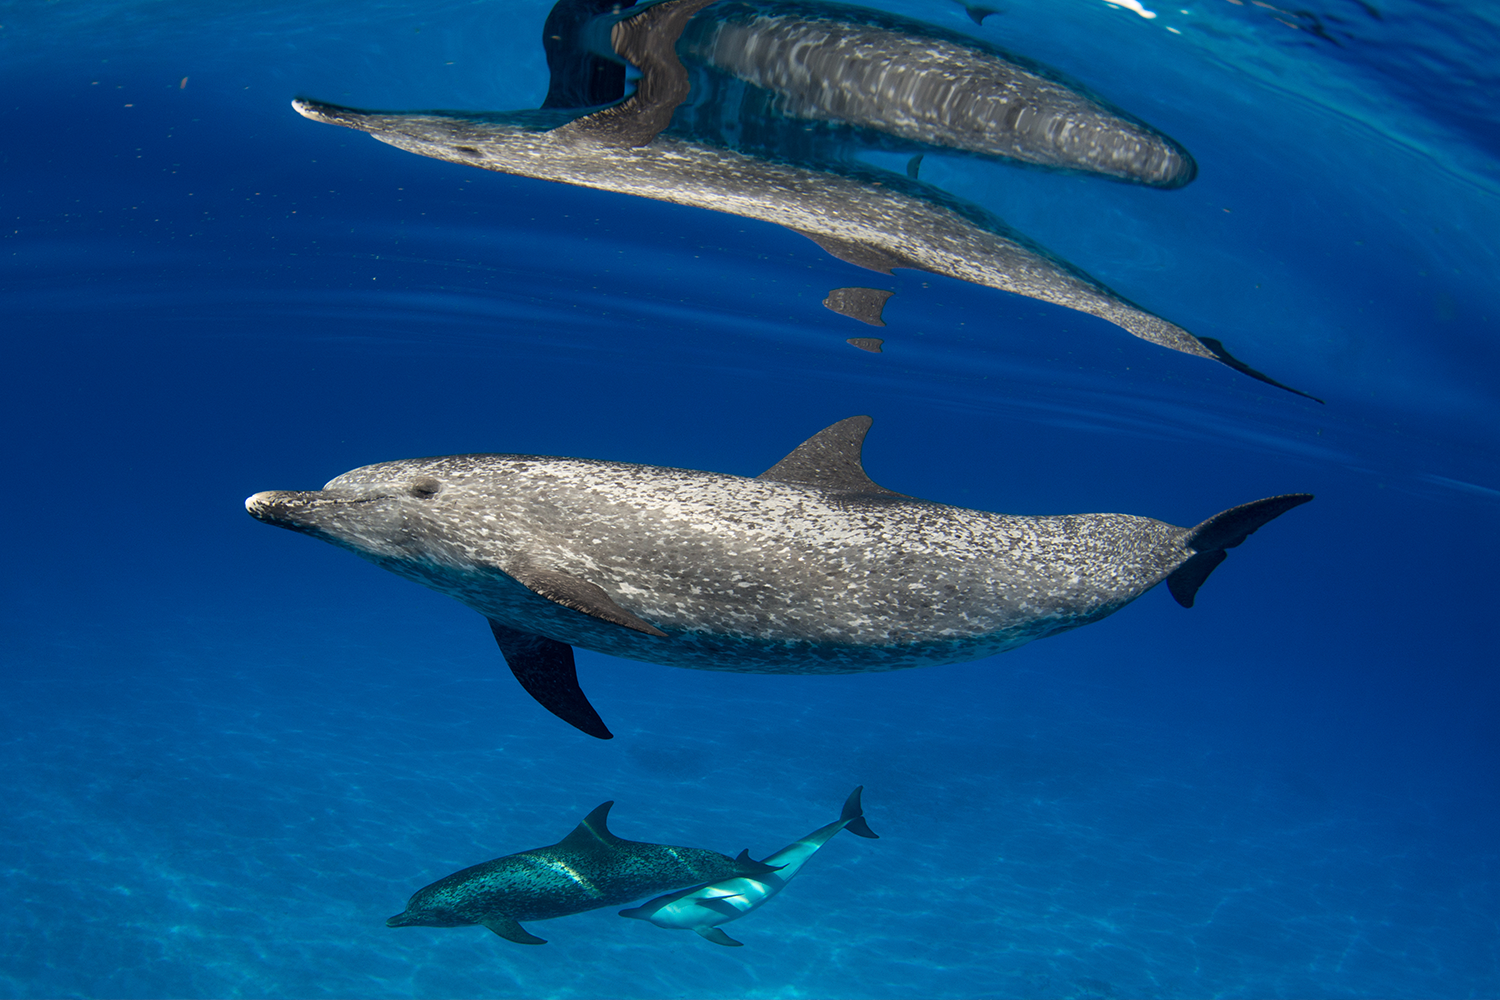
(399, 920)
(285, 508)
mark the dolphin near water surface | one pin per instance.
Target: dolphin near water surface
(871, 218)
(807, 568)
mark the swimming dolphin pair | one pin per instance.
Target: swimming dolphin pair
(587, 869)
(807, 568)
(873, 219)
(705, 907)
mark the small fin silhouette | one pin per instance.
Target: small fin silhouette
(718, 937)
(863, 304)
(830, 459)
(1224, 531)
(546, 670)
(871, 344)
(749, 866)
(913, 165)
(510, 929)
(580, 595)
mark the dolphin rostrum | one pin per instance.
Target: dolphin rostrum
(807, 568)
(703, 908)
(871, 218)
(587, 869)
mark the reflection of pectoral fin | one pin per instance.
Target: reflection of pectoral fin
(859, 254)
(1229, 359)
(545, 669)
(580, 595)
(863, 304)
(647, 40)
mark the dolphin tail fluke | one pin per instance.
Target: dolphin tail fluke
(1224, 531)
(853, 816)
(718, 937)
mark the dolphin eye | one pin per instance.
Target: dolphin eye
(424, 486)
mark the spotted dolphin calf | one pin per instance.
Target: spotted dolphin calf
(873, 219)
(809, 568)
(703, 908)
(587, 869)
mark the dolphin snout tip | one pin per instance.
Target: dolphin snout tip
(399, 920)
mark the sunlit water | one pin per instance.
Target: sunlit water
(230, 753)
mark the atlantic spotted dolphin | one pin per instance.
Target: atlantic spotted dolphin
(920, 82)
(873, 219)
(587, 869)
(809, 568)
(704, 908)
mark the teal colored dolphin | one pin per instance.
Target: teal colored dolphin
(703, 908)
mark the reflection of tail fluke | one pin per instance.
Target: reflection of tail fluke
(1229, 359)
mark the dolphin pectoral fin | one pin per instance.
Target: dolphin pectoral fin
(830, 459)
(508, 928)
(1223, 531)
(862, 255)
(580, 595)
(545, 669)
(721, 905)
(718, 937)
(1217, 346)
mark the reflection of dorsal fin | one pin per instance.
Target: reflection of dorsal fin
(592, 833)
(647, 40)
(829, 459)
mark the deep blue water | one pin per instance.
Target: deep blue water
(228, 753)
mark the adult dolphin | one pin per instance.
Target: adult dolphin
(704, 908)
(871, 218)
(587, 869)
(808, 568)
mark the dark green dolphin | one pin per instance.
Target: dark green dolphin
(587, 869)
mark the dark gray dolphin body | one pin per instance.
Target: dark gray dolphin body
(919, 82)
(587, 869)
(808, 568)
(873, 219)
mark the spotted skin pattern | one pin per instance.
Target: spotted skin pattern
(586, 870)
(752, 575)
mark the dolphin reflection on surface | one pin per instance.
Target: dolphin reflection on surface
(872, 218)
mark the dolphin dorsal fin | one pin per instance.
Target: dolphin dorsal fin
(645, 37)
(592, 833)
(830, 459)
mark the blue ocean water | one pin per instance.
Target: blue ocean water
(227, 753)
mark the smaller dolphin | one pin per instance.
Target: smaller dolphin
(705, 907)
(587, 869)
